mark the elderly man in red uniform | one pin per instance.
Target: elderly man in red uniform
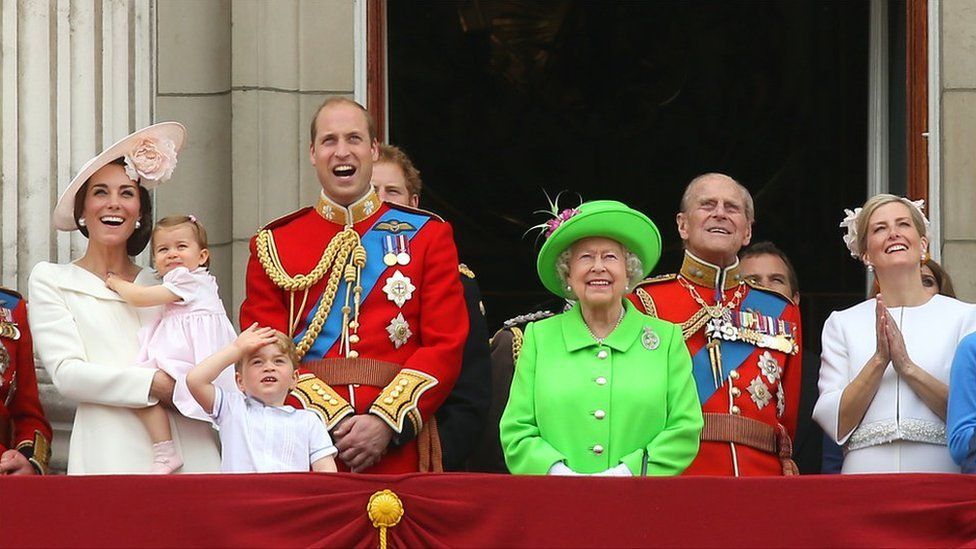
(369, 291)
(744, 339)
(25, 434)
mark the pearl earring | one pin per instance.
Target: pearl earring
(138, 224)
(81, 222)
(870, 268)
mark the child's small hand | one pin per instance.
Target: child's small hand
(110, 280)
(253, 338)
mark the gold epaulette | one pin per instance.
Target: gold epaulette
(465, 270)
(658, 278)
(397, 401)
(319, 397)
(413, 210)
(647, 301)
(283, 220)
(517, 338)
(756, 286)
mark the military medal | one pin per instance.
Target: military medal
(389, 251)
(9, 330)
(399, 331)
(4, 361)
(398, 288)
(650, 340)
(403, 254)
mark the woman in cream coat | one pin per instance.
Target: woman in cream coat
(86, 336)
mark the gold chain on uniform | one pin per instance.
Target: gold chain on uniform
(701, 317)
(336, 254)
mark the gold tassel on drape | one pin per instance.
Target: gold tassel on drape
(385, 511)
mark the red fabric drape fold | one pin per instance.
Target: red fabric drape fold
(468, 510)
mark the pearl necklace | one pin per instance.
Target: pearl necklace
(599, 340)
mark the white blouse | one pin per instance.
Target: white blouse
(898, 432)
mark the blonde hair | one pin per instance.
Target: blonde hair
(199, 232)
(872, 205)
(284, 344)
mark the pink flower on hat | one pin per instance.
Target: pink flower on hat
(560, 218)
(151, 159)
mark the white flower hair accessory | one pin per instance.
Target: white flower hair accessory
(850, 223)
(151, 159)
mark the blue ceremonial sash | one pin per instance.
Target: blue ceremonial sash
(373, 242)
(734, 353)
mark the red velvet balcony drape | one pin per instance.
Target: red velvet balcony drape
(467, 510)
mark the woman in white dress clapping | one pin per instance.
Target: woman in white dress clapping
(885, 364)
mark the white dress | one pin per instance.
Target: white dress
(187, 332)
(898, 433)
(86, 337)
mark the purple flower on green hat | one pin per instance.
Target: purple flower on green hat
(560, 218)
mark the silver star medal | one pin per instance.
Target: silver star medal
(399, 331)
(398, 288)
(649, 339)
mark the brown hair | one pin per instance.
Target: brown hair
(942, 278)
(342, 101)
(872, 206)
(170, 221)
(284, 344)
(768, 248)
(395, 155)
(140, 237)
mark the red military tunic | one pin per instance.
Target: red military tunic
(22, 422)
(746, 360)
(411, 316)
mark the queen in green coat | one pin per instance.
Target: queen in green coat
(601, 389)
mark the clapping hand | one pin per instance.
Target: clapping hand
(896, 345)
(881, 320)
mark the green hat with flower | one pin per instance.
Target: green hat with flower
(604, 218)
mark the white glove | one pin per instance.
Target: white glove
(620, 470)
(560, 469)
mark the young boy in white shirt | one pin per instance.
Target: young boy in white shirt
(258, 433)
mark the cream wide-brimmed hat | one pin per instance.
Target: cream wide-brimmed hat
(150, 156)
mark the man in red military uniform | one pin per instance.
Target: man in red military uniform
(370, 293)
(25, 434)
(744, 339)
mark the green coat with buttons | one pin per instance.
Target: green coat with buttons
(595, 406)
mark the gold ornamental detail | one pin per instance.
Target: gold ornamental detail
(337, 254)
(385, 511)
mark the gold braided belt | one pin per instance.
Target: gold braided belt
(344, 257)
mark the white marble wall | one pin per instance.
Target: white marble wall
(245, 77)
(76, 76)
(958, 142)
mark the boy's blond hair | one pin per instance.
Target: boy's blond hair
(284, 344)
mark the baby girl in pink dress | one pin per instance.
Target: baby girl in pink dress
(192, 326)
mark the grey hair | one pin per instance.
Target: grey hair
(747, 202)
(634, 266)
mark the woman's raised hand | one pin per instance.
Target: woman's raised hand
(882, 352)
(896, 344)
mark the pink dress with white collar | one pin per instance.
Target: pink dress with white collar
(187, 332)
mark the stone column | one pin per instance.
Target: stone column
(958, 141)
(289, 56)
(76, 77)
